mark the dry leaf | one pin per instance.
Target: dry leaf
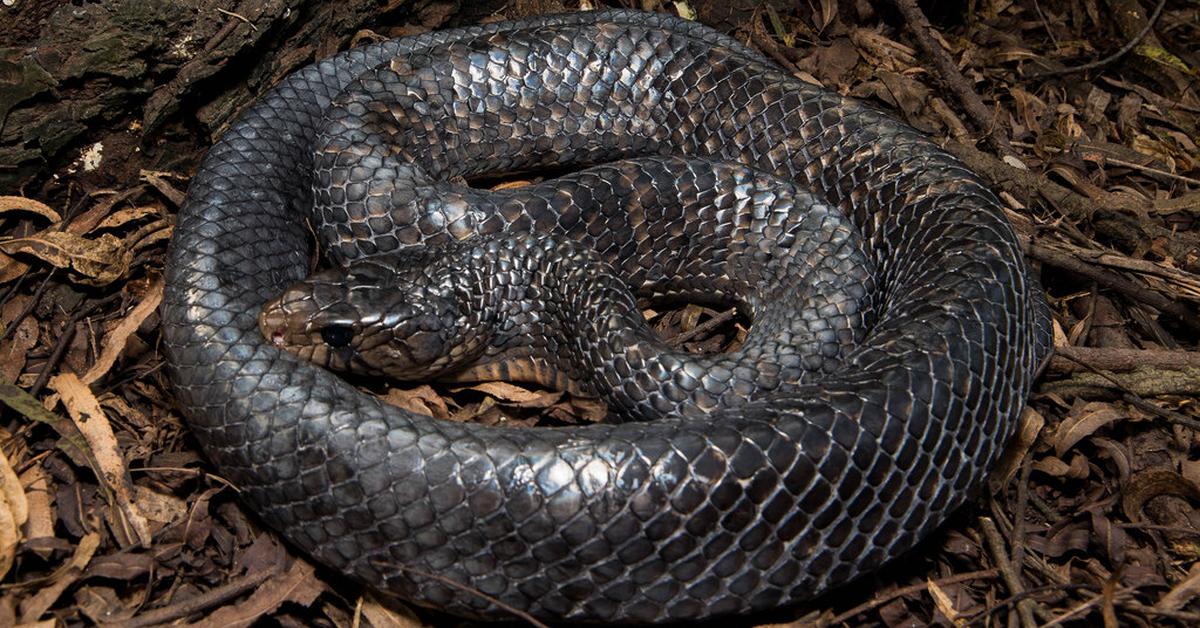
(40, 523)
(388, 616)
(420, 400)
(159, 181)
(21, 204)
(22, 338)
(298, 584)
(160, 507)
(11, 268)
(516, 395)
(89, 417)
(72, 442)
(1152, 483)
(1027, 432)
(97, 262)
(13, 512)
(1083, 423)
(1183, 593)
(124, 216)
(114, 341)
(34, 607)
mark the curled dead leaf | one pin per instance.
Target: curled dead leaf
(114, 341)
(1031, 423)
(9, 204)
(96, 262)
(1083, 423)
(515, 395)
(420, 400)
(1153, 483)
(389, 614)
(1074, 536)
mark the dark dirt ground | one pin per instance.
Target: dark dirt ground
(110, 515)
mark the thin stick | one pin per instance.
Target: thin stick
(948, 71)
(1011, 577)
(1114, 281)
(1099, 63)
(1069, 359)
(909, 590)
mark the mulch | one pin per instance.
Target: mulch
(1083, 115)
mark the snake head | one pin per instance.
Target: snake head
(373, 319)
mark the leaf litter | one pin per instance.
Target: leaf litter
(110, 514)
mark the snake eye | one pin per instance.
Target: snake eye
(337, 335)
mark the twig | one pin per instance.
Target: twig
(1105, 213)
(909, 590)
(454, 584)
(1116, 161)
(708, 325)
(208, 599)
(33, 301)
(68, 334)
(1170, 415)
(1071, 359)
(1137, 401)
(1114, 281)
(1099, 63)
(1011, 577)
(948, 71)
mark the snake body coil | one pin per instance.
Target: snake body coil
(755, 504)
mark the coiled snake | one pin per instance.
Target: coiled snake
(728, 501)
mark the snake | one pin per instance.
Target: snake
(856, 417)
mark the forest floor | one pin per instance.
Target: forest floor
(1084, 116)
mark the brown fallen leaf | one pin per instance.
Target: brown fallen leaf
(299, 584)
(14, 511)
(579, 409)
(15, 347)
(159, 181)
(160, 508)
(422, 399)
(40, 523)
(127, 215)
(388, 615)
(114, 341)
(96, 262)
(1152, 483)
(1031, 423)
(1182, 594)
(89, 417)
(33, 607)
(515, 395)
(1082, 423)
(72, 442)
(1056, 467)
(11, 268)
(9, 204)
(1073, 537)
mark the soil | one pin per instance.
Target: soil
(1082, 114)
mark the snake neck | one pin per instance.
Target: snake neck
(561, 316)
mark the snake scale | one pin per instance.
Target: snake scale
(718, 505)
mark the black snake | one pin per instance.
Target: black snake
(725, 503)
